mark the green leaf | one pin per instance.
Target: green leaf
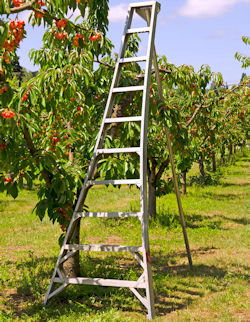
(12, 190)
(41, 208)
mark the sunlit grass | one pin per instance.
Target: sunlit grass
(217, 225)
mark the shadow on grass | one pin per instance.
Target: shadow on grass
(175, 286)
(172, 220)
(236, 173)
(231, 184)
(244, 160)
(220, 196)
(241, 221)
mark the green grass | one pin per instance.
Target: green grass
(216, 289)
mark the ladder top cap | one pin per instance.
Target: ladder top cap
(145, 4)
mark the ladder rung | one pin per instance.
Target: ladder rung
(101, 282)
(128, 89)
(138, 30)
(119, 150)
(119, 181)
(132, 59)
(104, 248)
(123, 119)
(108, 214)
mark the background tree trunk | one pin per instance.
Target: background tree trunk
(183, 182)
(152, 192)
(152, 199)
(214, 163)
(222, 155)
(153, 177)
(230, 148)
(201, 168)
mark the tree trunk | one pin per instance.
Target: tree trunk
(201, 168)
(214, 163)
(223, 155)
(151, 189)
(183, 182)
(71, 267)
(230, 148)
(153, 177)
(152, 199)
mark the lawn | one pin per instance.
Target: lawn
(216, 289)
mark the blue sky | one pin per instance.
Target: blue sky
(192, 32)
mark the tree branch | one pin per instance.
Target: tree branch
(26, 6)
(162, 70)
(208, 105)
(163, 166)
(214, 127)
(102, 63)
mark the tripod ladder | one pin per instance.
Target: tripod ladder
(148, 11)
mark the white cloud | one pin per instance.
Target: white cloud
(208, 8)
(118, 13)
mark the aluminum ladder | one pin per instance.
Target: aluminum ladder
(148, 11)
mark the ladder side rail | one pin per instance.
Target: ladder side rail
(146, 15)
(143, 167)
(124, 36)
(107, 113)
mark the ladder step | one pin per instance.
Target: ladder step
(123, 119)
(119, 150)
(101, 282)
(128, 89)
(107, 214)
(142, 4)
(138, 30)
(132, 59)
(122, 181)
(103, 248)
